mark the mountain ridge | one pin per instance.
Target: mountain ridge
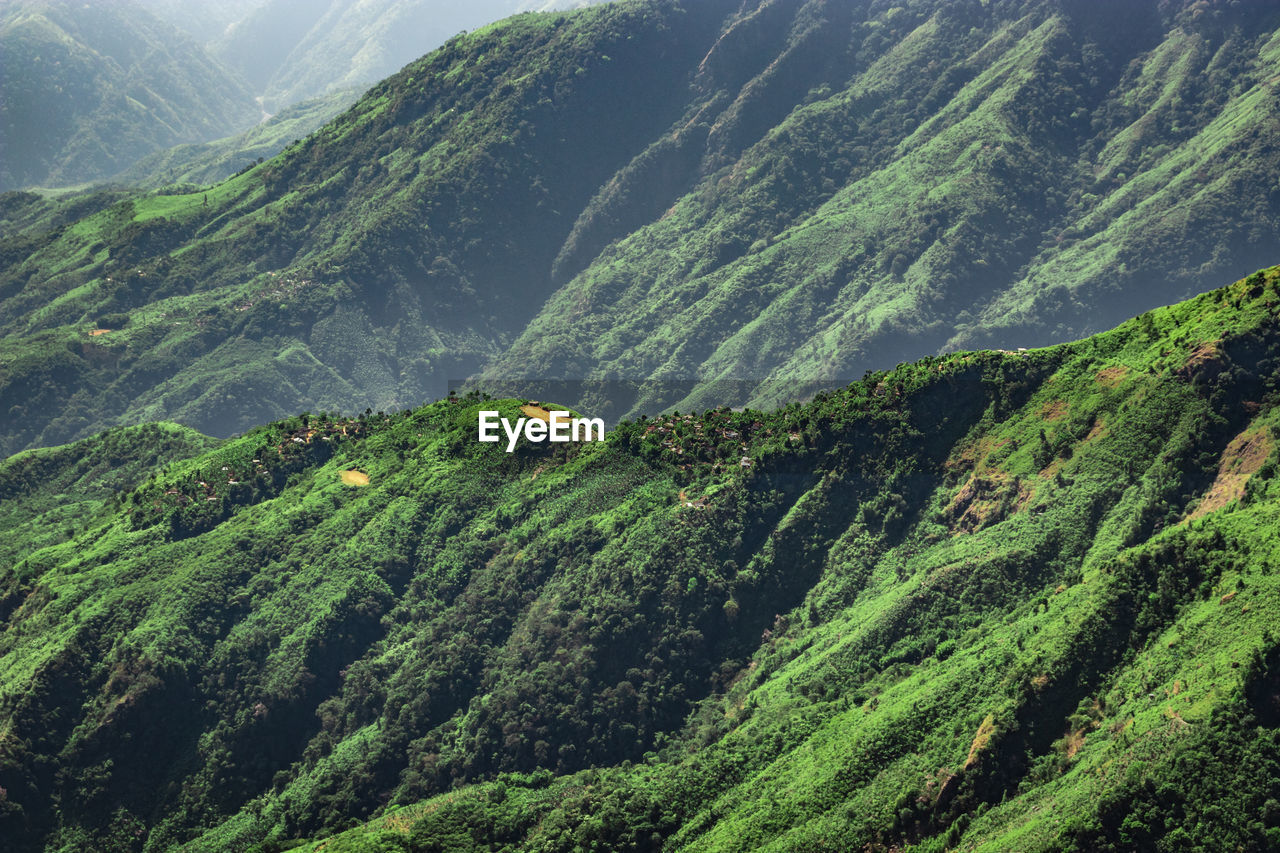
(799, 192)
(210, 162)
(928, 605)
(293, 51)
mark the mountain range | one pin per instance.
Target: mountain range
(651, 205)
(983, 601)
(199, 164)
(89, 88)
(262, 589)
(292, 50)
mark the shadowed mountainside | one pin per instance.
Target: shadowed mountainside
(731, 203)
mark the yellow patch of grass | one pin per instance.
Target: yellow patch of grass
(354, 478)
(1053, 410)
(96, 332)
(1073, 741)
(1205, 356)
(975, 455)
(1098, 430)
(401, 822)
(1109, 377)
(1243, 456)
(987, 499)
(981, 740)
(536, 412)
(1176, 719)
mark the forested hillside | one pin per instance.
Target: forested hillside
(86, 89)
(365, 265)
(50, 493)
(989, 600)
(681, 204)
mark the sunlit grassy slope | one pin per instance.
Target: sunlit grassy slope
(984, 601)
(50, 494)
(742, 204)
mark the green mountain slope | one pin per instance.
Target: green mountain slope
(46, 495)
(732, 204)
(983, 601)
(370, 264)
(89, 88)
(211, 162)
(881, 184)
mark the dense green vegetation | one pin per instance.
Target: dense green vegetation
(987, 600)
(52, 493)
(89, 88)
(729, 204)
(357, 267)
(984, 601)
